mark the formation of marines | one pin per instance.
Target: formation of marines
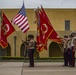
(69, 47)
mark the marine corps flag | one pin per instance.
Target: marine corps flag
(38, 37)
(54, 35)
(46, 30)
(3, 39)
(8, 26)
(39, 42)
(6, 29)
(43, 32)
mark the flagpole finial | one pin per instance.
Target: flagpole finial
(41, 5)
(38, 8)
(23, 1)
(35, 9)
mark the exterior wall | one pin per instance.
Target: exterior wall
(57, 18)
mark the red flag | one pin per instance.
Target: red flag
(7, 25)
(46, 29)
(45, 15)
(43, 30)
(3, 39)
(54, 35)
(5, 30)
(39, 42)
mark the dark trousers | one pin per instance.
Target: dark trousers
(31, 57)
(72, 56)
(65, 57)
(69, 56)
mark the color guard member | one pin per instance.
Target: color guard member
(65, 48)
(72, 49)
(31, 50)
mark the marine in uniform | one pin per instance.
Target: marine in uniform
(65, 50)
(72, 49)
(31, 50)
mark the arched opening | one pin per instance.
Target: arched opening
(6, 51)
(55, 50)
(22, 50)
(36, 54)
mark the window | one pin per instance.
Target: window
(67, 24)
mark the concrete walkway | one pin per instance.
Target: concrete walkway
(41, 68)
(48, 68)
(10, 68)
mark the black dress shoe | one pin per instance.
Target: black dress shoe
(30, 66)
(71, 65)
(64, 65)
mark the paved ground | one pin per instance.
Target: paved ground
(49, 68)
(41, 68)
(10, 68)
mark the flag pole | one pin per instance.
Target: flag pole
(18, 35)
(60, 47)
(26, 32)
(0, 29)
(0, 21)
(0, 17)
(0, 26)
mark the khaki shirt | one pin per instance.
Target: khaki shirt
(72, 41)
(31, 44)
(65, 43)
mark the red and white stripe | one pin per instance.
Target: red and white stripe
(22, 22)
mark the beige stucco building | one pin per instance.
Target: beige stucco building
(63, 21)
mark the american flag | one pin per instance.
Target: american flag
(21, 19)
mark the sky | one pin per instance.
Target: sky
(16, 4)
